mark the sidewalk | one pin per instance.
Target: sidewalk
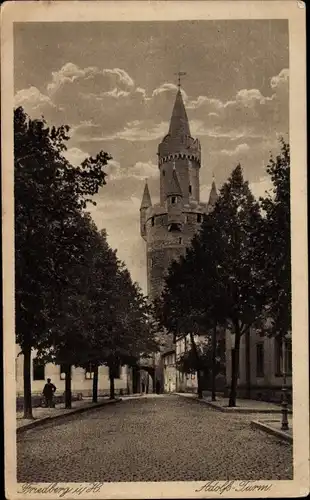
(274, 427)
(44, 415)
(243, 405)
(252, 409)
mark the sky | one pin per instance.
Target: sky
(114, 84)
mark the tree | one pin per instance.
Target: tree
(48, 194)
(276, 244)
(219, 281)
(131, 332)
(180, 309)
(187, 362)
(240, 281)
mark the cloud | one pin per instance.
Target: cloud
(111, 106)
(140, 170)
(111, 78)
(240, 148)
(137, 131)
(143, 170)
(33, 101)
(261, 187)
(75, 156)
(281, 80)
(164, 88)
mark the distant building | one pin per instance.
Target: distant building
(82, 379)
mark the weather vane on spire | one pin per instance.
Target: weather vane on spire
(179, 74)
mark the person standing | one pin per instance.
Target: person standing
(48, 393)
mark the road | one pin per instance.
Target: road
(153, 439)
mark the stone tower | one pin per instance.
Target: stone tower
(169, 226)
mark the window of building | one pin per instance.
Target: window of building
(62, 370)
(190, 189)
(164, 173)
(152, 221)
(89, 372)
(260, 359)
(180, 241)
(174, 226)
(199, 217)
(38, 370)
(173, 199)
(151, 262)
(279, 357)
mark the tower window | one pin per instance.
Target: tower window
(164, 173)
(174, 226)
(190, 189)
(152, 221)
(180, 241)
(199, 218)
(173, 200)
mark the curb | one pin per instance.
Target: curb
(256, 424)
(44, 420)
(245, 411)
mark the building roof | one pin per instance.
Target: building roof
(179, 125)
(213, 195)
(146, 198)
(173, 188)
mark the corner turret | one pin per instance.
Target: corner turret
(146, 203)
(213, 197)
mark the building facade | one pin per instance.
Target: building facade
(269, 360)
(81, 379)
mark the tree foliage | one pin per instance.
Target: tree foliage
(219, 281)
(276, 244)
(75, 302)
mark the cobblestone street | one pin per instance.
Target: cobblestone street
(162, 438)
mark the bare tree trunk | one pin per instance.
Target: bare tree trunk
(112, 386)
(199, 378)
(27, 382)
(95, 384)
(248, 364)
(68, 393)
(235, 367)
(213, 389)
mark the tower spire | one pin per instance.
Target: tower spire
(146, 198)
(179, 126)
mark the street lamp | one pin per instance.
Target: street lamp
(284, 424)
